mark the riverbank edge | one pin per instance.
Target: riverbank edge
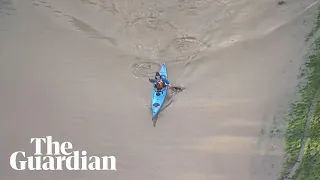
(302, 138)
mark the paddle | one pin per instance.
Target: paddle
(174, 88)
(177, 88)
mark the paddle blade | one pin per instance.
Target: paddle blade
(177, 88)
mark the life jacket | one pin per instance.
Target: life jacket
(160, 84)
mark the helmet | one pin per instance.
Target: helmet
(157, 74)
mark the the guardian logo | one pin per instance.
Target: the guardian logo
(63, 158)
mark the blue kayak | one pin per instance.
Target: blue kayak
(159, 97)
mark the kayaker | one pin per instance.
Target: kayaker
(160, 82)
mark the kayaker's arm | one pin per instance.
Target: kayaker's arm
(167, 82)
(151, 80)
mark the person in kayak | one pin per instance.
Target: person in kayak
(160, 82)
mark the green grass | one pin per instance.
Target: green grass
(306, 108)
(316, 28)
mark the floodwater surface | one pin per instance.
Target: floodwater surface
(78, 70)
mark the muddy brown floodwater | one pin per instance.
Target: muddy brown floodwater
(78, 70)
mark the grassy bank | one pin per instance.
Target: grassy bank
(303, 133)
